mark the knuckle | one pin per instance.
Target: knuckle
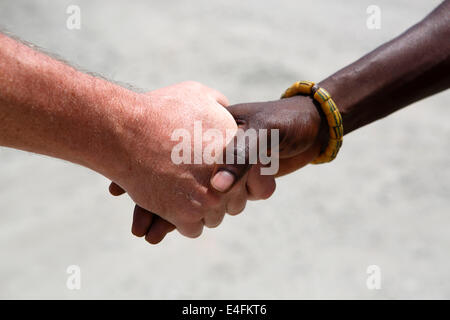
(236, 212)
(212, 225)
(237, 209)
(194, 233)
(197, 234)
(215, 221)
(269, 191)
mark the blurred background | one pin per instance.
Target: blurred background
(310, 240)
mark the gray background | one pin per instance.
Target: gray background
(384, 201)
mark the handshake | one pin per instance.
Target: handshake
(183, 155)
(187, 158)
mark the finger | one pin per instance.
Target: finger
(115, 189)
(190, 230)
(238, 198)
(212, 220)
(158, 230)
(236, 206)
(142, 220)
(259, 186)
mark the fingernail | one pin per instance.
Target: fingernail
(222, 181)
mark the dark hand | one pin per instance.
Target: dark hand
(302, 133)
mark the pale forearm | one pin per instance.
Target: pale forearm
(50, 108)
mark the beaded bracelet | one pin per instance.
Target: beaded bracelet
(331, 112)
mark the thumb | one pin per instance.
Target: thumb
(237, 157)
(233, 166)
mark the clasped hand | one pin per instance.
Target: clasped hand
(190, 196)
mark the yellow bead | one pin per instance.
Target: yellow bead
(328, 152)
(328, 106)
(334, 119)
(300, 87)
(320, 159)
(321, 95)
(332, 149)
(336, 132)
(304, 87)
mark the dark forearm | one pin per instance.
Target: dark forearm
(408, 68)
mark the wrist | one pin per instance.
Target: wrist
(304, 120)
(323, 134)
(337, 86)
(106, 151)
